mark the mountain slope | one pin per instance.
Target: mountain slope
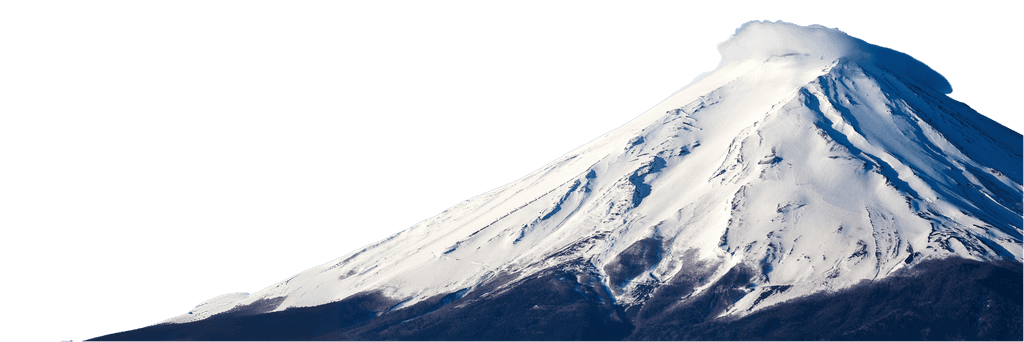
(806, 164)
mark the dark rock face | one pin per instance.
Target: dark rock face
(632, 262)
(936, 300)
(292, 324)
(554, 305)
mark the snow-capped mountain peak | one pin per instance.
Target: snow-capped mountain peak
(759, 41)
(810, 158)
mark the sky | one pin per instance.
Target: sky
(159, 154)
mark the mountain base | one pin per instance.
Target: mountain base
(951, 299)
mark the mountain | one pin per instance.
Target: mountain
(813, 186)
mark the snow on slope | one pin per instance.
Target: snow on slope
(810, 156)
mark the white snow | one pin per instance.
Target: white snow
(812, 157)
(759, 41)
(208, 308)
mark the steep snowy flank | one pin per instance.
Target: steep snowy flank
(810, 157)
